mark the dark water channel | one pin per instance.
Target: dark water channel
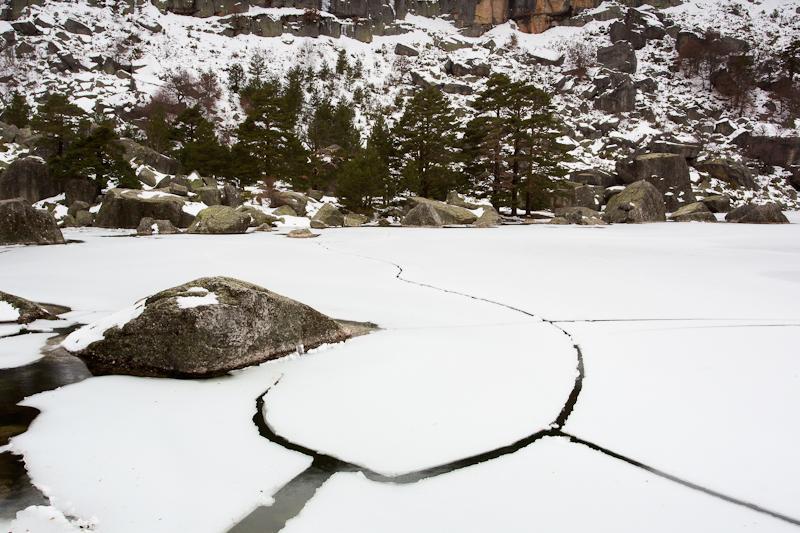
(54, 370)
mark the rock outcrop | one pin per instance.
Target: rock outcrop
(329, 215)
(638, 202)
(20, 223)
(669, 173)
(757, 214)
(203, 328)
(28, 178)
(423, 215)
(125, 208)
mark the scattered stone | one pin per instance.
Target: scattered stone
(757, 214)
(403, 50)
(231, 196)
(669, 173)
(449, 214)
(148, 177)
(257, 216)
(209, 195)
(178, 189)
(74, 26)
(718, 203)
(354, 220)
(695, 212)
(22, 224)
(204, 328)
(490, 218)
(453, 198)
(638, 202)
(594, 177)
(295, 200)
(83, 219)
(423, 214)
(329, 215)
(220, 219)
(316, 195)
(264, 227)
(303, 233)
(148, 226)
(27, 311)
(619, 56)
(143, 155)
(284, 211)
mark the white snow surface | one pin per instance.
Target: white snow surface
(712, 401)
(549, 486)
(8, 313)
(203, 297)
(40, 519)
(21, 350)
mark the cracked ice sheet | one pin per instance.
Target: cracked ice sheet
(714, 403)
(551, 485)
(618, 271)
(418, 398)
(187, 452)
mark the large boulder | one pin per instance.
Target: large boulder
(328, 215)
(757, 214)
(489, 218)
(19, 310)
(28, 178)
(143, 155)
(619, 56)
(297, 201)
(449, 214)
(782, 151)
(209, 195)
(594, 177)
(20, 223)
(638, 202)
(731, 172)
(583, 216)
(125, 208)
(423, 215)
(220, 219)
(695, 212)
(80, 190)
(616, 93)
(203, 328)
(669, 173)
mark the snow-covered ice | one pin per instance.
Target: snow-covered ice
(21, 350)
(8, 313)
(706, 390)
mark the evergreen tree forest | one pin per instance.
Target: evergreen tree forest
(503, 147)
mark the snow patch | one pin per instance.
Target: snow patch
(8, 313)
(81, 338)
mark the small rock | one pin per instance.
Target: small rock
(303, 233)
(694, 212)
(220, 219)
(757, 214)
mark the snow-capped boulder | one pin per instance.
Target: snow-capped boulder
(329, 215)
(449, 214)
(220, 219)
(489, 218)
(203, 328)
(19, 310)
(20, 223)
(28, 178)
(125, 208)
(757, 214)
(694, 212)
(669, 173)
(638, 202)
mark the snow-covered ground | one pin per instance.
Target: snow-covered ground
(692, 372)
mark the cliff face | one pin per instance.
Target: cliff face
(362, 18)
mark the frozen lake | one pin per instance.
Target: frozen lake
(561, 378)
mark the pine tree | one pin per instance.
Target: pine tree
(236, 77)
(59, 122)
(257, 69)
(426, 133)
(98, 156)
(267, 145)
(157, 129)
(358, 180)
(492, 108)
(341, 62)
(381, 143)
(196, 144)
(18, 111)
